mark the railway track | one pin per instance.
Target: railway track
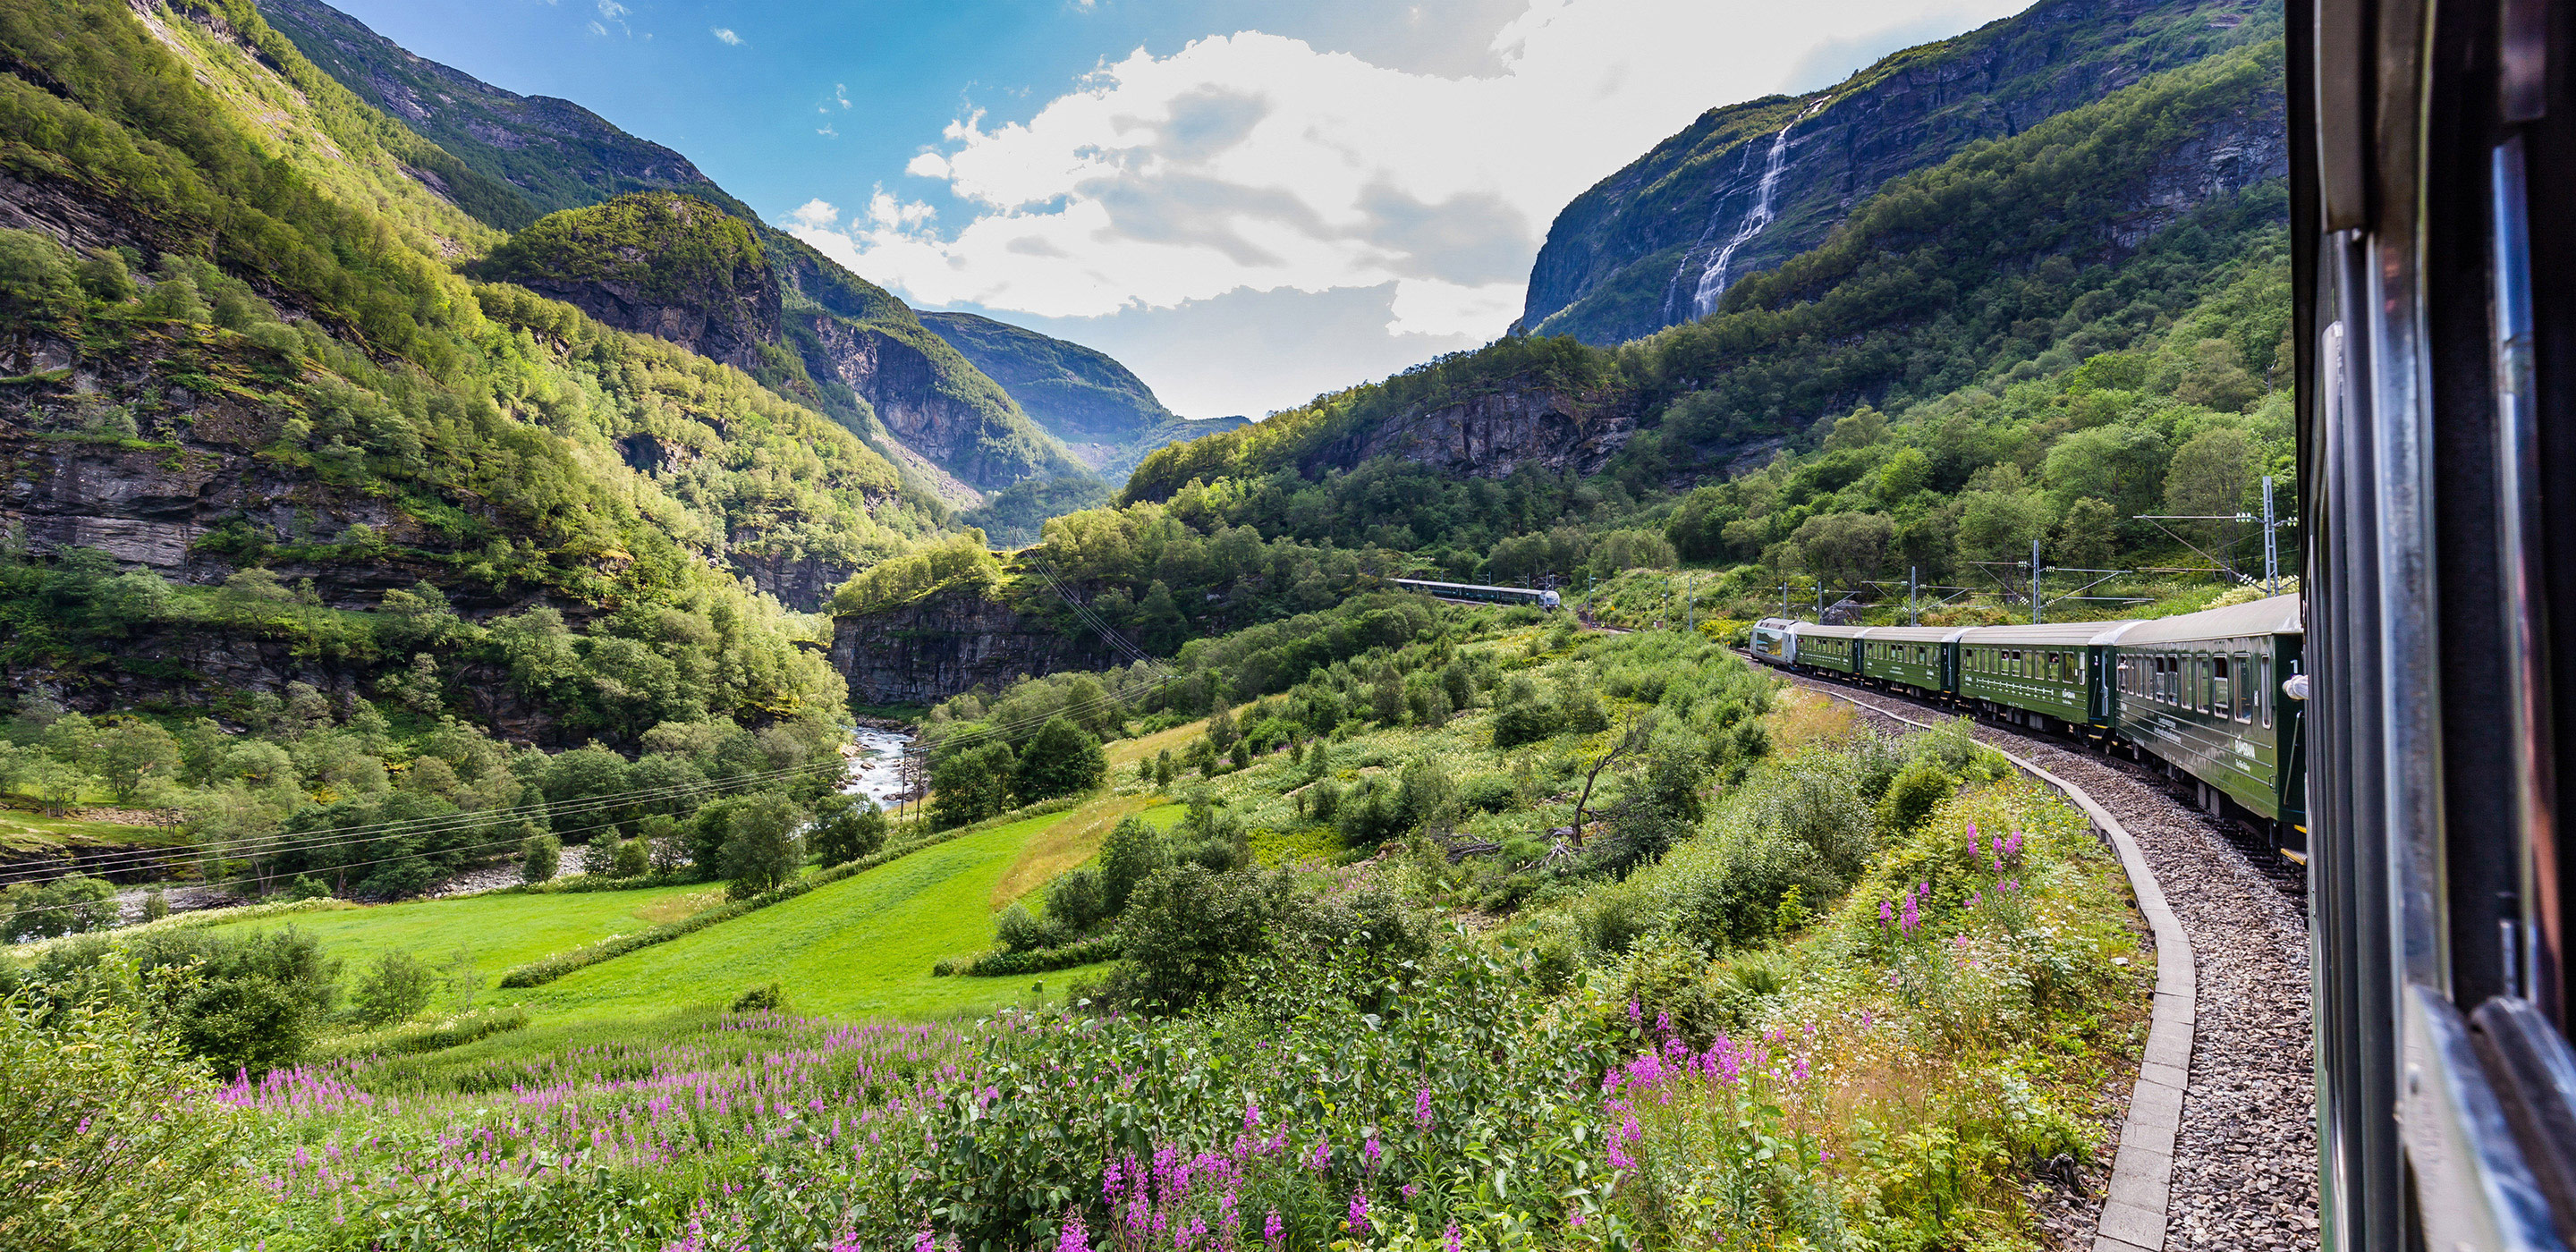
(2243, 1167)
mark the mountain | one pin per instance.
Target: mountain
(554, 153)
(862, 355)
(264, 432)
(2083, 234)
(1082, 396)
(660, 263)
(1746, 187)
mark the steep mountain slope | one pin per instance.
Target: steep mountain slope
(866, 359)
(1746, 187)
(1100, 410)
(554, 153)
(299, 409)
(2013, 258)
(661, 263)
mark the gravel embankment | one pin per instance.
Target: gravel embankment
(2245, 1163)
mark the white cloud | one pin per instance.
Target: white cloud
(1251, 162)
(725, 36)
(815, 214)
(841, 92)
(826, 131)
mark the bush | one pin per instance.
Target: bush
(768, 997)
(1188, 933)
(1522, 716)
(307, 888)
(847, 828)
(1918, 789)
(1370, 814)
(633, 858)
(1040, 960)
(1060, 760)
(395, 989)
(539, 857)
(114, 1138)
(970, 784)
(72, 904)
(1078, 900)
(155, 905)
(763, 846)
(1135, 851)
(1018, 930)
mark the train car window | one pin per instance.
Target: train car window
(2244, 688)
(2200, 685)
(2222, 701)
(2263, 691)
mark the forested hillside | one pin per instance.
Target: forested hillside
(1101, 411)
(249, 380)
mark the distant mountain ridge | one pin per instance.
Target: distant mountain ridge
(1082, 396)
(958, 432)
(1748, 186)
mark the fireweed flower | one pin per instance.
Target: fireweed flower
(1422, 1109)
(1273, 1231)
(1074, 1238)
(1369, 1151)
(1321, 1156)
(925, 1241)
(1886, 912)
(1449, 1239)
(1360, 1213)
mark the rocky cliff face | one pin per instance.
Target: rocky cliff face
(1492, 434)
(721, 325)
(1746, 187)
(949, 643)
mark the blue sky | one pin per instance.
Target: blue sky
(1246, 203)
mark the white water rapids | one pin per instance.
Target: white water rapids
(877, 770)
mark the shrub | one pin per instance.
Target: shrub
(1134, 852)
(1918, 789)
(1522, 716)
(1370, 814)
(115, 1139)
(768, 997)
(1614, 918)
(1018, 930)
(1078, 899)
(847, 828)
(539, 857)
(309, 888)
(1188, 932)
(970, 784)
(395, 989)
(763, 846)
(72, 904)
(633, 858)
(156, 905)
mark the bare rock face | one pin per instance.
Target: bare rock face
(721, 326)
(912, 397)
(1491, 434)
(948, 643)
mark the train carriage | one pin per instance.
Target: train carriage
(1835, 648)
(2203, 693)
(2041, 676)
(1917, 658)
(1775, 639)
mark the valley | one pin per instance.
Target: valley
(543, 709)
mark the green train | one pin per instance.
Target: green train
(2209, 695)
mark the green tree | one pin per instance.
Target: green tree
(1998, 525)
(2217, 378)
(1060, 760)
(2209, 477)
(1135, 851)
(847, 828)
(539, 857)
(132, 751)
(2086, 535)
(763, 846)
(1845, 548)
(36, 284)
(394, 989)
(970, 784)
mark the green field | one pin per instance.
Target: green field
(22, 830)
(861, 947)
(496, 931)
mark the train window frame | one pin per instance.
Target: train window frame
(2244, 689)
(2222, 688)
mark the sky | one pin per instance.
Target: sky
(1247, 203)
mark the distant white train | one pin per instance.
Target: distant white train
(1488, 595)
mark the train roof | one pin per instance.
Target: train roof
(2046, 634)
(1916, 634)
(2278, 615)
(1811, 629)
(1425, 582)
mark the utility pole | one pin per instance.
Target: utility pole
(2271, 551)
(1690, 613)
(1913, 607)
(2034, 582)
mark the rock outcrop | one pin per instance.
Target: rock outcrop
(1493, 433)
(951, 642)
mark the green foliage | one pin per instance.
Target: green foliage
(971, 783)
(847, 828)
(69, 905)
(672, 249)
(959, 561)
(763, 846)
(539, 858)
(393, 990)
(768, 997)
(114, 1134)
(1135, 852)
(1059, 760)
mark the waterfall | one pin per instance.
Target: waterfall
(1712, 275)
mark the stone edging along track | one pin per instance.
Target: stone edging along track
(2133, 1213)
